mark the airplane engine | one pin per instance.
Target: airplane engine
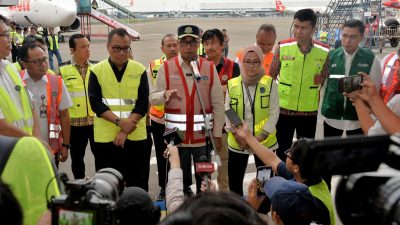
(75, 26)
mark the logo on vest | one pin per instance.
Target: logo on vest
(333, 66)
(262, 90)
(205, 78)
(175, 77)
(363, 65)
(54, 94)
(224, 77)
(288, 57)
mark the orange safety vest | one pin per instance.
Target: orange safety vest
(266, 61)
(156, 110)
(226, 71)
(186, 113)
(54, 94)
(390, 81)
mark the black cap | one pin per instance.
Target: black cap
(188, 30)
(18, 27)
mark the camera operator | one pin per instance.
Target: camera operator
(174, 191)
(9, 207)
(368, 101)
(291, 171)
(291, 202)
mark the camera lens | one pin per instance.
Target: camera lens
(108, 184)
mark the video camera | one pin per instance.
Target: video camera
(363, 196)
(88, 201)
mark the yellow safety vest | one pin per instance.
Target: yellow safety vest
(120, 97)
(51, 44)
(24, 119)
(261, 108)
(297, 89)
(321, 192)
(29, 171)
(156, 110)
(78, 90)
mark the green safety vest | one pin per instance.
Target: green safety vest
(261, 108)
(29, 172)
(24, 119)
(333, 103)
(296, 88)
(120, 97)
(200, 50)
(321, 192)
(51, 44)
(78, 90)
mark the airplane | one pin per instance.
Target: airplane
(44, 13)
(317, 6)
(392, 4)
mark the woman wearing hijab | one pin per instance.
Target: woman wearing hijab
(254, 97)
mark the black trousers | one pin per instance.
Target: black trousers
(305, 127)
(157, 130)
(333, 132)
(79, 139)
(147, 157)
(130, 160)
(186, 154)
(237, 164)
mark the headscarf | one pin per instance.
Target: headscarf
(252, 80)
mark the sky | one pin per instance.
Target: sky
(168, 5)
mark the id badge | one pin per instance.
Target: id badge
(43, 111)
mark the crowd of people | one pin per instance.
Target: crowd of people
(121, 107)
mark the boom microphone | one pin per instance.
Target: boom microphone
(195, 69)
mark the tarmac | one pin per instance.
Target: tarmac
(241, 31)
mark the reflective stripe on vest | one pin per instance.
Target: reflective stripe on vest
(51, 44)
(54, 94)
(78, 90)
(261, 109)
(156, 110)
(24, 119)
(297, 90)
(321, 192)
(186, 113)
(390, 80)
(121, 98)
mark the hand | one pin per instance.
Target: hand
(252, 198)
(120, 139)
(260, 138)
(173, 153)
(241, 133)
(127, 125)
(168, 94)
(63, 154)
(212, 186)
(368, 92)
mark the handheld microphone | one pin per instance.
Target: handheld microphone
(204, 168)
(173, 137)
(195, 69)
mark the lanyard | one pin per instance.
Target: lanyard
(250, 99)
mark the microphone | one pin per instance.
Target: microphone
(173, 137)
(195, 69)
(204, 168)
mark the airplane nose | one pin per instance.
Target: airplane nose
(67, 11)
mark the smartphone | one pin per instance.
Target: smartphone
(264, 173)
(233, 117)
(350, 83)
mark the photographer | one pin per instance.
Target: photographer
(368, 101)
(291, 171)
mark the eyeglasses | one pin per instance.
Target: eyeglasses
(117, 49)
(6, 35)
(38, 62)
(192, 43)
(254, 63)
(288, 154)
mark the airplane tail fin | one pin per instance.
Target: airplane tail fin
(279, 6)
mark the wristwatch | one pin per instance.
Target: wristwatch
(68, 146)
(117, 121)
